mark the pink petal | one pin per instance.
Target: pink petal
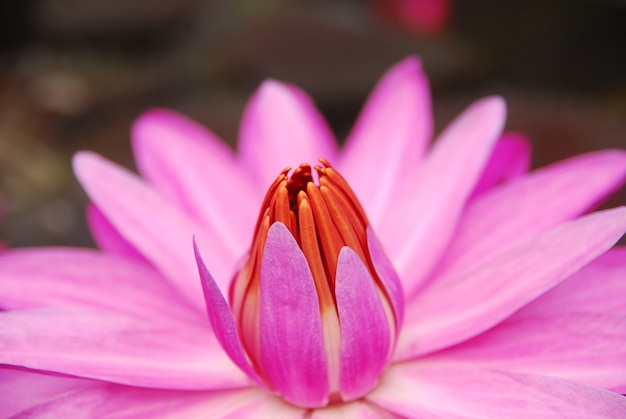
(281, 127)
(22, 389)
(160, 231)
(389, 138)
(365, 335)
(446, 391)
(388, 276)
(458, 307)
(131, 402)
(107, 237)
(420, 225)
(530, 205)
(588, 348)
(85, 278)
(112, 347)
(192, 167)
(354, 410)
(223, 321)
(292, 343)
(269, 406)
(510, 158)
(599, 287)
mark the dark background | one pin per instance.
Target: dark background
(75, 73)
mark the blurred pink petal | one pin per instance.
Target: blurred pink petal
(389, 138)
(208, 183)
(76, 278)
(438, 390)
(281, 127)
(112, 347)
(462, 305)
(510, 158)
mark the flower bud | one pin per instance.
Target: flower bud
(317, 304)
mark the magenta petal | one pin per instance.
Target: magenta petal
(159, 230)
(115, 401)
(106, 235)
(223, 321)
(387, 275)
(510, 158)
(391, 134)
(112, 347)
(589, 348)
(85, 278)
(421, 223)
(530, 205)
(281, 127)
(423, 390)
(292, 343)
(22, 389)
(458, 307)
(191, 166)
(599, 287)
(365, 335)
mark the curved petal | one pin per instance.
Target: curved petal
(281, 127)
(192, 167)
(66, 277)
(118, 401)
(387, 275)
(588, 348)
(223, 321)
(160, 231)
(107, 237)
(292, 342)
(420, 225)
(510, 158)
(389, 137)
(22, 389)
(456, 308)
(447, 391)
(365, 334)
(530, 205)
(112, 347)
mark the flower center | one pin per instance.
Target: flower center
(323, 218)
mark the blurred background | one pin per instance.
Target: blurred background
(75, 73)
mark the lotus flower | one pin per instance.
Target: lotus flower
(386, 279)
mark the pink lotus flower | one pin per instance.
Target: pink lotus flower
(505, 298)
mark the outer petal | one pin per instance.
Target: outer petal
(599, 287)
(196, 170)
(365, 335)
(106, 235)
(422, 223)
(388, 276)
(280, 128)
(292, 343)
(455, 308)
(354, 410)
(223, 321)
(389, 138)
(85, 278)
(510, 158)
(153, 225)
(444, 391)
(530, 205)
(23, 389)
(588, 348)
(105, 346)
(117, 401)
